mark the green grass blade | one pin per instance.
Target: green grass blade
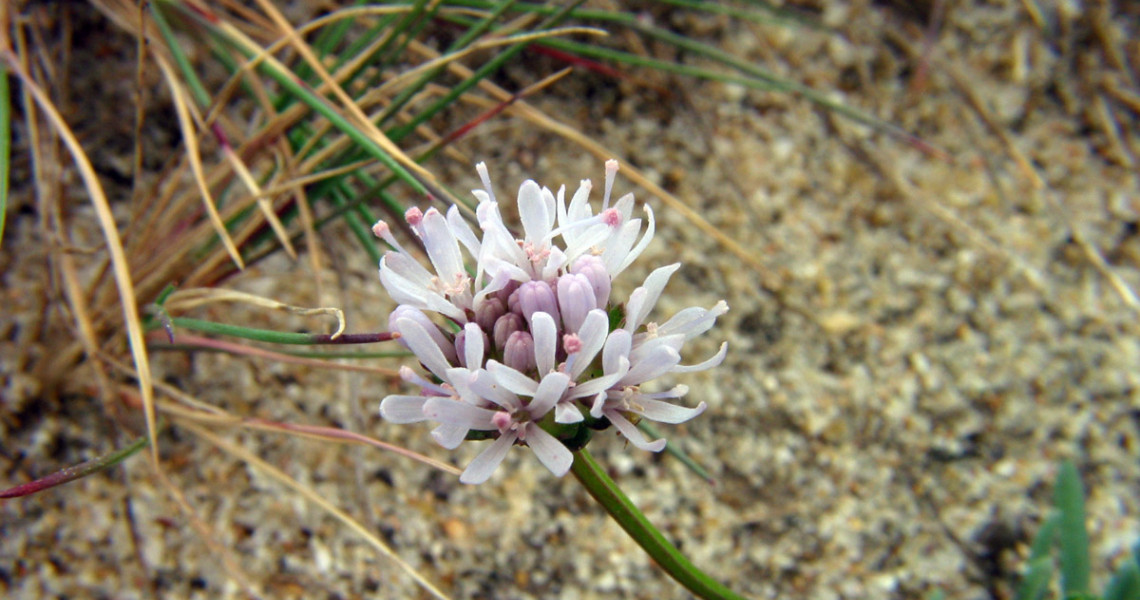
(1036, 579)
(271, 336)
(1073, 538)
(1125, 583)
(290, 83)
(482, 72)
(201, 96)
(76, 472)
(677, 453)
(1046, 536)
(472, 33)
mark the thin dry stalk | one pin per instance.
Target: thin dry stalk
(193, 155)
(313, 496)
(112, 240)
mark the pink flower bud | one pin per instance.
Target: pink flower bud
(518, 353)
(489, 312)
(536, 296)
(505, 326)
(594, 269)
(575, 299)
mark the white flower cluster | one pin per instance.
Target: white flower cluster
(533, 349)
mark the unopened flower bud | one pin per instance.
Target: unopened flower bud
(536, 296)
(519, 352)
(575, 299)
(594, 269)
(489, 312)
(505, 326)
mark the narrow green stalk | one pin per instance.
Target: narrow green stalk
(289, 82)
(677, 452)
(473, 32)
(482, 72)
(610, 496)
(75, 472)
(274, 337)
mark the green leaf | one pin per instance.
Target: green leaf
(1125, 583)
(1069, 497)
(1046, 536)
(1036, 579)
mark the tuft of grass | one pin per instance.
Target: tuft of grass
(1064, 531)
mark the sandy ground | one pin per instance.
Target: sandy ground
(916, 339)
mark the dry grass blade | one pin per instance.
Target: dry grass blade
(195, 159)
(262, 198)
(537, 117)
(55, 230)
(401, 80)
(358, 116)
(223, 554)
(196, 410)
(1038, 185)
(242, 349)
(312, 496)
(114, 245)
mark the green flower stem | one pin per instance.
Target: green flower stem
(275, 337)
(610, 496)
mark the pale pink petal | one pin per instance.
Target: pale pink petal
(692, 321)
(533, 212)
(664, 412)
(403, 409)
(449, 436)
(473, 346)
(653, 286)
(453, 412)
(463, 231)
(484, 465)
(714, 361)
(485, 177)
(592, 334)
(657, 363)
(567, 412)
(442, 247)
(425, 347)
(511, 379)
(549, 450)
(579, 204)
(619, 244)
(485, 385)
(632, 433)
(618, 345)
(545, 334)
(417, 315)
(599, 405)
(549, 392)
(600, 384)
(641, 245)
